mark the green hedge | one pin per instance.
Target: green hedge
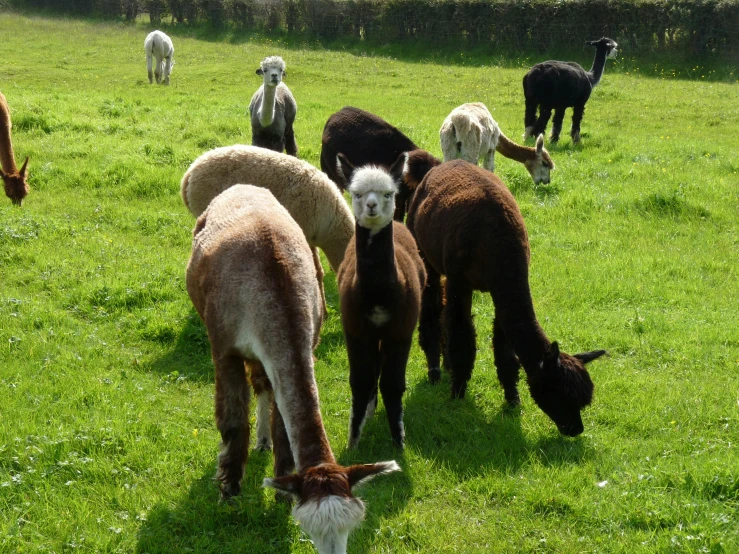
(693, 26)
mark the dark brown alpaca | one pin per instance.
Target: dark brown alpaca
(469, 228)
(365, 139)
(380, 284)
(15, 182)
(252, 279)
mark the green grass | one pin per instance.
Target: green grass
(107, 435)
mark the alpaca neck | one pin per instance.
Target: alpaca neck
(7, 158)
(514, 151)
(599, 64)
(375, 257)
(267, 109)
(297, 400)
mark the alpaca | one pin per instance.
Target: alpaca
(555, 85)
(159, 46)
(380, 284)
(469, 228)
(14, 181)
(251, 280)
(469, 133)
(273, 109)
(364, 139)
(310, 197)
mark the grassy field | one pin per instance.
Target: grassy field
(107, 434)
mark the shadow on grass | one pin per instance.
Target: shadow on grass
(462, 437)
(200, 523)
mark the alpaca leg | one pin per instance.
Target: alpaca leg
(291, 147)
(363, 356)
(158, 71)
(541, 123)
(319, 276)
(506, 364)
(284, 463)
(559, 115)
(392, 385)
(489, 161)
(263, 391)
(149, 68)
(529, 119)
(460, 345)
(577, 113)
(429, 325)
(232, 420)
(167, 69)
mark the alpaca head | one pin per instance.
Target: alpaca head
(16, 187)
(610, 47)
(373, 191)
(540, 165)
(562, 387)
(325, 506)
(272, 69)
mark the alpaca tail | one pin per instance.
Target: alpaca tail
(419, 163)
(183, 189)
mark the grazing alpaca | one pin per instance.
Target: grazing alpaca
(469, 133)
(555, 85)
(251, 279)
(310, 197)
(364, 139)
(14, 181)
(468, 227)
(159, 46)
(380, 284)
(273, 109)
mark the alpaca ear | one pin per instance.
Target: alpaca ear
(586, 357)
(344, 168)
(360, 474)
(24, 169)
(553, 353)
(260, 72)
(398, 169)
(540, 144)
(289, 484)
(284, 73)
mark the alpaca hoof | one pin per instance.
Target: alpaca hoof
(554, 138)
(353, 443)
(263, 446)
(434, 374)
(575, 137)
(229, 490)
(459, 389)
(528, 133)
(399, 443)
(513, 400)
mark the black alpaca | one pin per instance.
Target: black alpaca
(365, 139)
(555, 85)
(468, 227)
(380, 284)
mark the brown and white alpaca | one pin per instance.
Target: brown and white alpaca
(469, 228)
(252, 279)
(14, 181)
(273, 109)
(380, 285)
(470, 133)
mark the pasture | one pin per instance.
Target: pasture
(107, 434)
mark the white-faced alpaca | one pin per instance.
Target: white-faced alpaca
(273, 109)
(555, 85)
(469, 228)
(15, 182)
(159, 47)
(251, 277)
(380, 285)
(470, 133)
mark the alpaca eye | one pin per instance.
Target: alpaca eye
(388, 195)
(357, 196)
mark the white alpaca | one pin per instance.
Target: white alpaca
(307, 193)
(250, 277)
(273, 109)
(159, 46)
(469, 133)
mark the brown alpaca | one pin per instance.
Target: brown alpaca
(15, 182)
(469, 229)
(380, 284)
(252, 279)
(365, 139)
